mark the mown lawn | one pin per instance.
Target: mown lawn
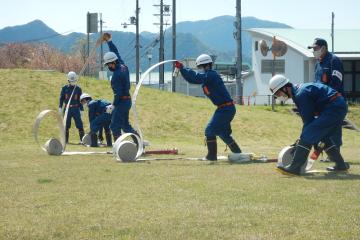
(94, 197)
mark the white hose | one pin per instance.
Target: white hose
(93, 51)
(36, 127)
(136, 92)
(61, 121)
(120, 140)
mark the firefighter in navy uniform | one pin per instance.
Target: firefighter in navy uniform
(75, 108)
(99, 117)
(214, 88)
(322, 110)
(328, 70)
(120, 84)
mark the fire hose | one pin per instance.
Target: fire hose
(54, 146)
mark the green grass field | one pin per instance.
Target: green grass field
(95, 197)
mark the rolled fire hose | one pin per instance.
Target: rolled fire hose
(127, 151)
(53, 146)
(286, 156)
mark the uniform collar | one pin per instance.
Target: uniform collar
(327, 56)
(294, 89)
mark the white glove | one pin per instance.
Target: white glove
(109, 108)
(60, 110)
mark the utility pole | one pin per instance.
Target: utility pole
(149, 55)
(163, 8)
(173, 42)
(92, 27)
(88, 44)
(137, 42)
(135, 21)
(101, 45)
(239, 83)
(161, 48)
(332, 31)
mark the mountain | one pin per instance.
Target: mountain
(213, 36)
(35, 30)
(218, 32)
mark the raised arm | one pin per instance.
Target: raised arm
(192, 77)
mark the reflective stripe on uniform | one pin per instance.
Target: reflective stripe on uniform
(225, 104)
(324, 78)
(337, 74)
(206, 90)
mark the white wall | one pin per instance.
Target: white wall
(294, 70)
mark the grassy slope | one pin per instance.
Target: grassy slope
(92, 197)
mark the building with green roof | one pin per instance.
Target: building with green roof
(298, 62)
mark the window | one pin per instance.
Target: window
(352, 79)
(357, 66)
(256, 45)
(357, 82)
(348, 82)
(347, 66)
(267, 66)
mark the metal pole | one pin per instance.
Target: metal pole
(161, 49)
(332, 31)
(149, 72)
(88, 42)
(88, 53)
(173, 42)
(137, 43)
(239, 84)
(273, 74)
(101, 46)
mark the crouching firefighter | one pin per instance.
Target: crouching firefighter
(99, 117)
(214, 88)
(120, 84)
(75, 108)
(313, 99)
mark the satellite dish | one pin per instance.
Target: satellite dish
(278, 48)
(263, 48)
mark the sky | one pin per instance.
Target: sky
(70, 16)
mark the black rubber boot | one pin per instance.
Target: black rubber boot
(212, 149)
(67, 135)
(116, 137)
(94, 140)
(234, 147)
(108, 138)
(301, 154)
(335, 156)
(135, 139)
(100, 135)
(81, 134)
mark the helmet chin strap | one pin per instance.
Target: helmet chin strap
(285, 92)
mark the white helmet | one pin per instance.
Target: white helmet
(203, 59)
(277, 82)
(84, 95)
(72, 77)
(109, 57)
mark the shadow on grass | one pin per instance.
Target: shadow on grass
(332, 176)
(353, 163)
